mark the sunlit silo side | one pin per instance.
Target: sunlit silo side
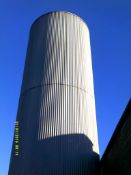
(56, 113)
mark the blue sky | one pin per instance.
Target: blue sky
(110, 34)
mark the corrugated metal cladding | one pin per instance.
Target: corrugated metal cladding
(56, 114)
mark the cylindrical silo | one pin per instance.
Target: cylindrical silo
(56, 113)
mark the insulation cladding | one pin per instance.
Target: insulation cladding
(56, 113)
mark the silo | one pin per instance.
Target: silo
(56, 114)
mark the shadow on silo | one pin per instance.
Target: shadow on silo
(65, 155)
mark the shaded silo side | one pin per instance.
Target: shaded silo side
(56, 113)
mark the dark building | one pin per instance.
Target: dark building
(117, 157)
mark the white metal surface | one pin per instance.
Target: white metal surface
(57, 97)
